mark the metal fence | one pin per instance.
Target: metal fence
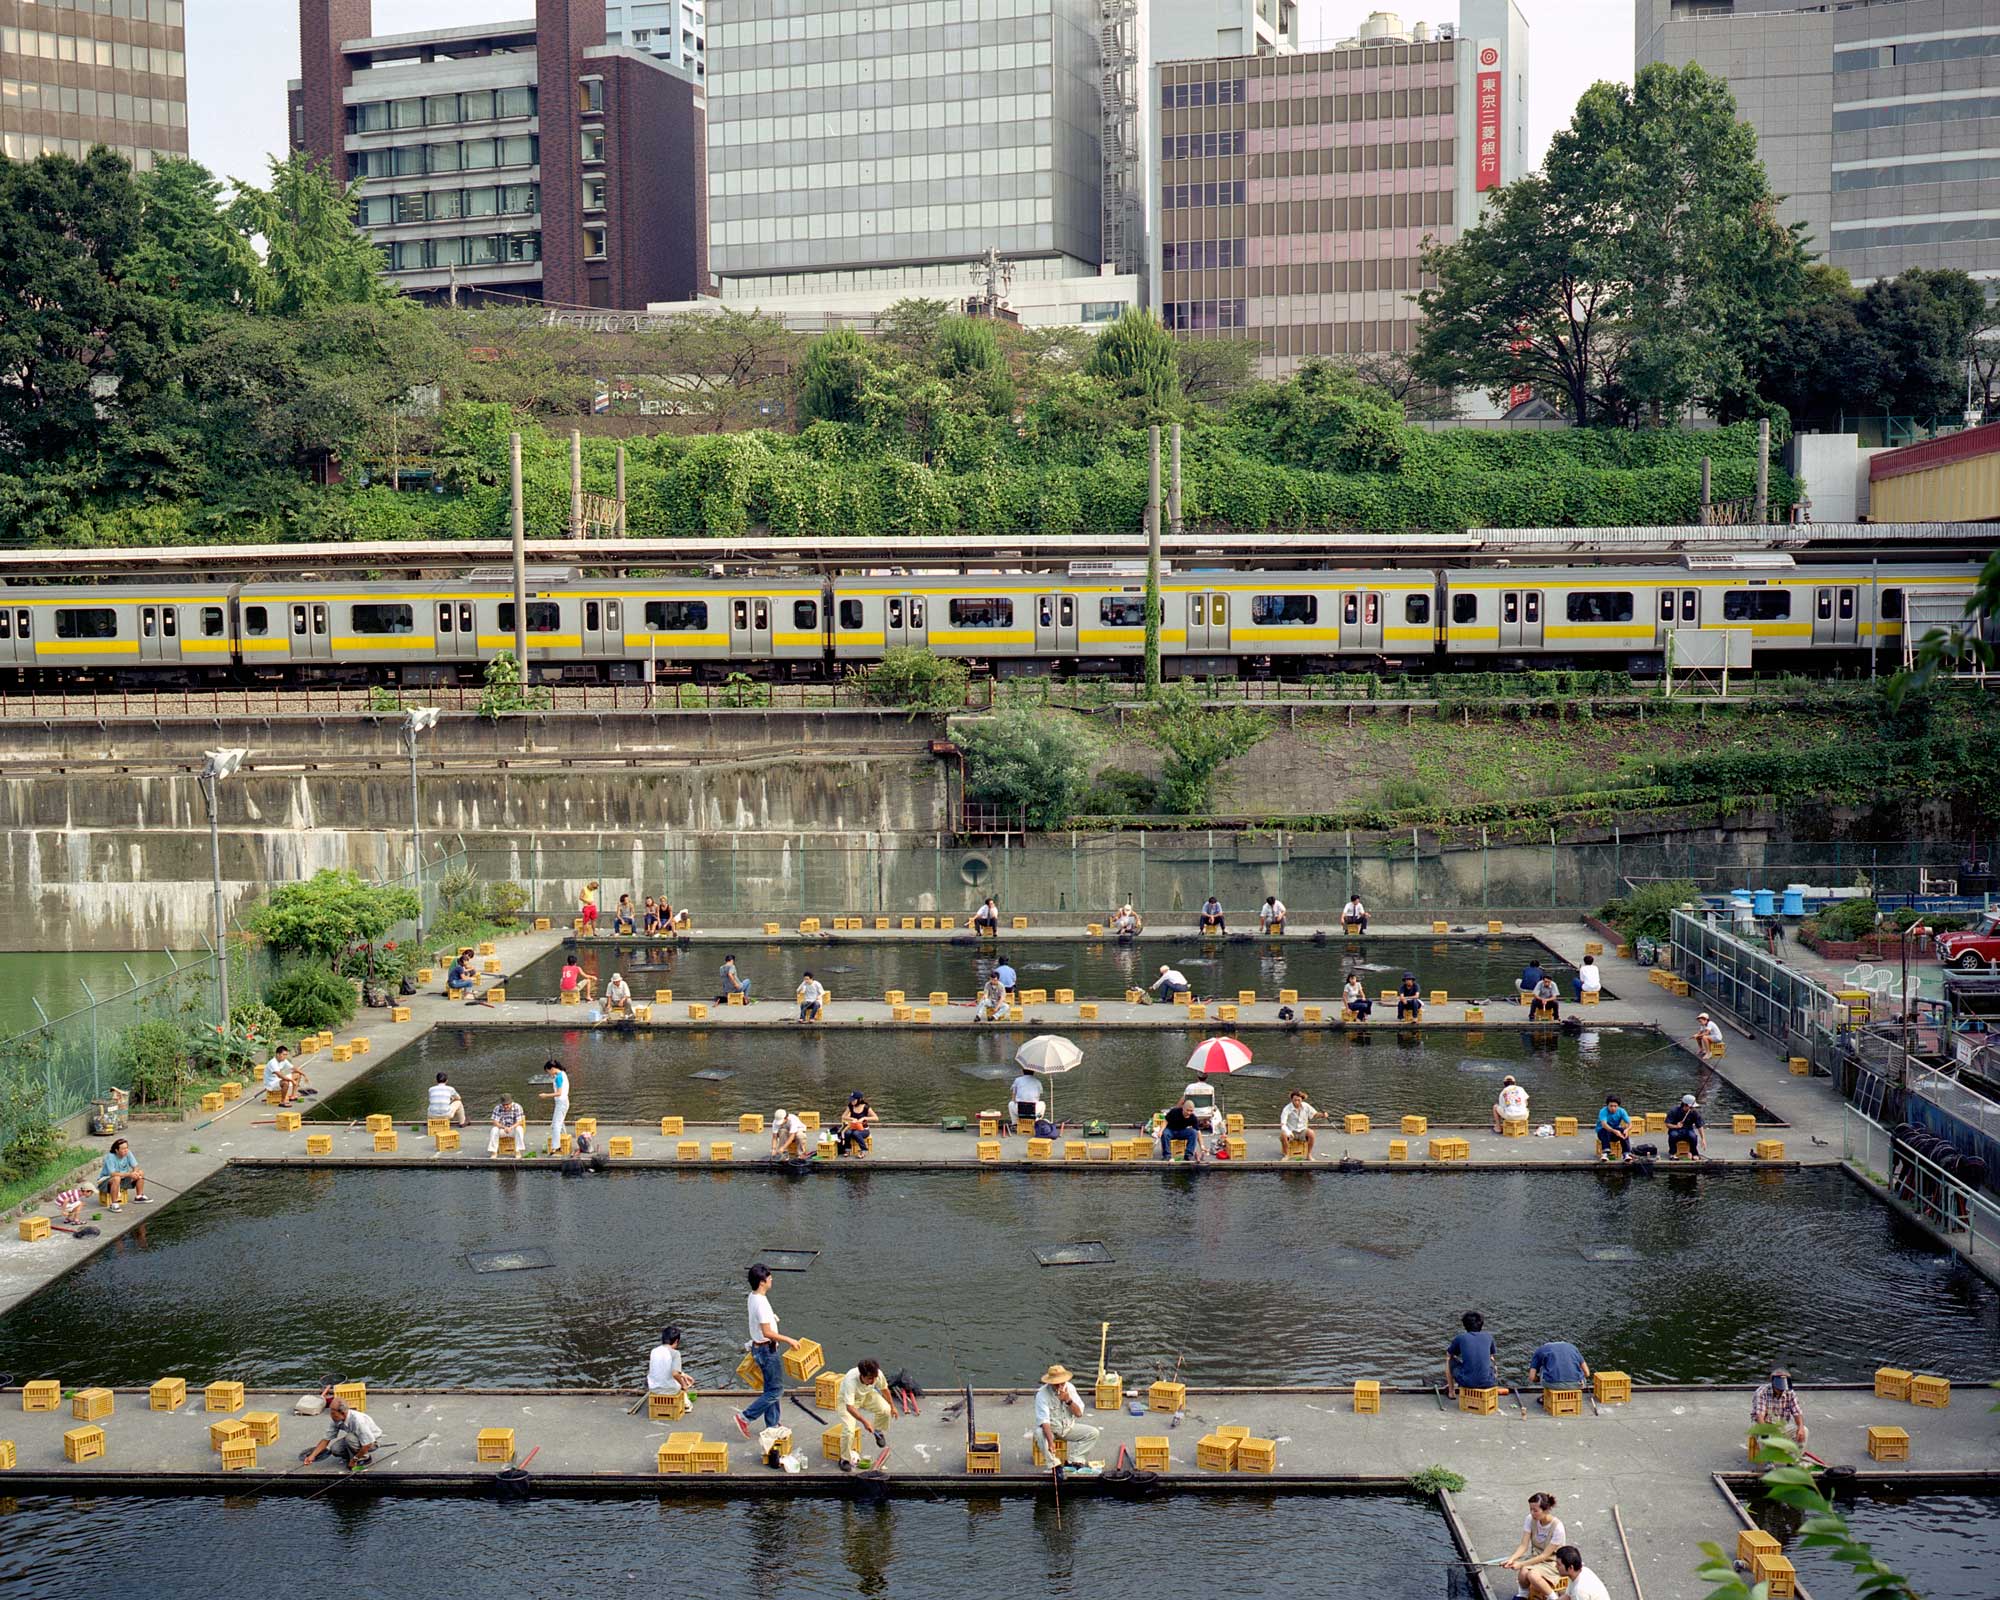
(1968, 1219)
(1758, 989)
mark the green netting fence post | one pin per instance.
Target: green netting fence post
(85, 986)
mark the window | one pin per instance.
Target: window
(805, 614)
(256, 622)
(1756, 605)
(1531, 606)
(1601, 605)
(1666, 605)
(544, 616)
(850, 613)
(1464, 608)
(96, 622)
(444, 616)
(593, 144)
(676, 616)
(146, 618)
(593, 243)
(1284, 610)
(1825, 607)
(590, 95)
(1892, 605)
(1123, 613)
(1510, 607)
(1101, 310)
(1417, 608)
(517, 102)
(6, 624)
(1846, 605)
(987, 612)
(1350, 610)
(170, 621)
(594, 191)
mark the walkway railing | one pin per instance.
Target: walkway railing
(1758, 989)
(1968, 1219)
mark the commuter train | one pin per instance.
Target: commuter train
(1090, 620)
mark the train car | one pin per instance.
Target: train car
(117, 634)
(710, 627)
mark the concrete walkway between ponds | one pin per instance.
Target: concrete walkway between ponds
(1653, 1457)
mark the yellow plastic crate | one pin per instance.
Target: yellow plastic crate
(1020, 923)
(1480, 1402)
(287, 1121)
(1256, 1455)
(1064, 997)
(1239, 1147)
(672, 1127)
(711, 1457)
(1656, 1122)
(687, 1150)
(1743, 1122)
(803, 1360)
(41, 1394)
(212, 1102)
(1087, 1012)
(1416, 1127)
(1926, 1390)
(385, 1141)
(1475, 1013)
(1041, 1149)
(1246, 997)
(89, 1405)
(1368, 1396)
(982, 1456)
(1768, 1150)
(721, 1150)
(229, 1091)
(399, 1013)
(585, 1124)
(826, 1390)
(988, 1150)
(1312, 1014)
(1166, 1396)
(697, 1012)
(263, 1426)
(1197, 1013)
(750, 1122)
(1354, 1122)
(6, 1455)
(1892, 1383)
(663, 997)
(1215, 1452)
(495, 1445)
(1776, 1574)
(920, 1013)
(1493, 925)
(1751, 1542)
(222, 1433)
(1563, 1402)
(1096, 1151)
(223, 1396)
(1225, 1013)
(1153, 1451)
(677, 1453)
(1399, 1149)
(620, 1144)
(449, 1140)
(167, 1394)
(1611, 1388)
(1888, 1444)
(83, 1444)
(34, 1229)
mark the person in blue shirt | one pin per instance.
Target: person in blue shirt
(1557, 1364)
(1531, 975)
(1009, 979)
(1468, 1359)
(1614, 1127)
(121, 1170)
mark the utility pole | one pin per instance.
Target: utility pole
(576, 483)
(1174, 485)
(1763, 470)
(1707, 493)
(1153, 562)
(520, 562)
(618, 530)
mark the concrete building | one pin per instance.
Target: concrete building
(856, 146)
(526, 158)
(674, 30)
(1878, 120)
(1033, 301)
(1295, 191)
(1195, 30)
(112, 72)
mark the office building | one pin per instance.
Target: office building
(1295, 192)
(1878, 120)
(674, 30)
(109, 72)
(1197, 30)
(525, 158)
(887, 147)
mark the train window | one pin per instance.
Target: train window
(1846, 605)
(6, 624)
(1281, 610)
(1465, 608)
(805, 614)
(1756, 605)
(1371, 609)
(986, 612)
(465, 616)
(1045, 614)
(676, 616)
(1601, 605)
(1068, 610)
(613, 615)
(1666, 605)
(146, 615)
(1510, 607)
(762, 611)
(850, 613)
(1892, 605)
(1825, 605)
(1531, 606)
(1218, 611)
(1198, 611)
(444, 616)
(1348, 610)
(170, 621)
(916, 612)
(544, 616)
(384, 618)
(1690, 608)
(81, 622)
(1126, 613)
(593, 615)
(895, 613)
(24, 624)
(256, 621)
(739, 615)
(1417, 608)
(319, 619)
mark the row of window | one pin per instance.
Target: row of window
(464, 155)
(1178, 196)
(93, 52)
(441, 110)
(475, 250)
(1200, 254)
(447, 205)
(1398, 155)
(1197, 314)
(1963, 230)
(1971, 170)
(1223, 92)
(1201, 146)
(1916, 52)
(67, 100)
(168, 13)
(830, 22)
(1915, 112)
(26, 146)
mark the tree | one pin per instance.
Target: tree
(1325, 419)
(1390, 374)
(331, 910)
(1135, 355)
(912, 328)
(730, 366)
(1924, 323)
(1983, 354)
(187, 250)
(968, 358)
(836, 369)
(1215, 370)
(1030, 761)
(313, 253)
(1197, 740)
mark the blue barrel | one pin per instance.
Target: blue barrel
(1766, 903)
(1795, 903)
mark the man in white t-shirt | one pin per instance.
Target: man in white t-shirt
(1026, 1093)
(1170, 982)
(788, 1137)
(1512, 1106)
(351, 1436)
(1355, 915)
(444, 1101)
(618, 992)
(1583, 1583)
(1295, 1122)
(282, 1078)
(510, 1121)
(862, 1406)
(812, 997)
(1707, 1036)
(1057, 1410)
(664, 1373)
(1589, 978)
(1272, 918)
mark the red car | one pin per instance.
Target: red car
(1977, 947)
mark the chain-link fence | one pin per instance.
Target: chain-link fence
(1758, 989)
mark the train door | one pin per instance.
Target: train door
(749, 628)
(17, 635)
(1055, 624)
(1207, 623)
(310, 636)
(457, 630)
(604, 627)
(1679, 608)
(1520, 619)
(1361, 619)
(904, 621)
(159, 633)
(1834, 621)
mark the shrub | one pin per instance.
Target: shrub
(1120, 792)
(505, 901)
(1197, 740)
(33, 1136)
(1035, 761)
(256, 1024)
(907, 676)
(1645, 913)
(153, 1058)
(308, 998)
(328, 913)
(1848, 919)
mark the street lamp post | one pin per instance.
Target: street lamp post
(415, 720)
(217, 765)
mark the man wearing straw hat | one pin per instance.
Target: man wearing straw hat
(1057, 1410)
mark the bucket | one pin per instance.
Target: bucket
(511, 1485)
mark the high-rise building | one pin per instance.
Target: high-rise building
(674, 30)
(889, 146)
(1194, 30)
(1878, 120)
(527, 158)
(91, 72)
(1295, 192)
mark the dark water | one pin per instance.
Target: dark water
(53, 1547)
(1947, 1545)
(1095, 969)
(280, 1277)
(911, 1075)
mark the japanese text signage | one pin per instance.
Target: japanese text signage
(1486, 122)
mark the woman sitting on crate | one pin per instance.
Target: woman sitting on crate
(461, 977)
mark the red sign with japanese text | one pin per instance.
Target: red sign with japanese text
(1486, 119)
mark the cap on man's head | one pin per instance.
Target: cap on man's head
(1701, 1016)
(781, 1114)
(1689, 1100)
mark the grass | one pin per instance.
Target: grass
(52, 1173)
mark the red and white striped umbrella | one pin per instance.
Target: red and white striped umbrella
(1214, 1056)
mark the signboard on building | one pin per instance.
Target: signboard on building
(1486, 117)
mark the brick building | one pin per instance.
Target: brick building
(112, 73)
(521, 158)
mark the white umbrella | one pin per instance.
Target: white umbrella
(1045, 1055)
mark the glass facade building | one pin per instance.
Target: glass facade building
(87, 72)
(676, 31)
(851, 138)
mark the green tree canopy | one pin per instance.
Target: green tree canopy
(836, 369)
(187, 249)
(1035, 762)
(328, 912)
(1136, 356)
(314, 255)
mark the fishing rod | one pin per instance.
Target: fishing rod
(368, 1465)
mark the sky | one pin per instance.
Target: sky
(241, 53)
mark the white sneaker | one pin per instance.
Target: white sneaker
(140, 1199)
(118, 1205)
